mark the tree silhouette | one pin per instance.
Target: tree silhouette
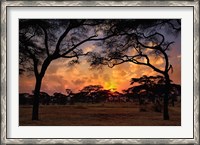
(91, 92)
(150, 84)
(68, 92)
(138, 41)
(45, 98)
(23, 98)
(60, 98)
(175, 92)
(152, 89)
(43, 41)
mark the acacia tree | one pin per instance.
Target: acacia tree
(91, 91)
(139, 42)
(43, 41)
(152, 85)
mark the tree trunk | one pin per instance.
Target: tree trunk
(166, 98)
(36, 99)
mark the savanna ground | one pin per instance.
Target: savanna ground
(107, 114)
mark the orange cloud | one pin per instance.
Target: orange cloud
(59, 76)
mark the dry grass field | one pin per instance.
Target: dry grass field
(108, 114)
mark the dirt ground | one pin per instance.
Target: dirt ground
(108, 114)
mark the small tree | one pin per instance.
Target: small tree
(91, 92)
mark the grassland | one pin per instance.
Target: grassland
(108, 114)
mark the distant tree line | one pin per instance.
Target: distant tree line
(149, 89)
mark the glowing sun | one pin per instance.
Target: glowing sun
(110, 86)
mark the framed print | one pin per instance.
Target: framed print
(101, 72)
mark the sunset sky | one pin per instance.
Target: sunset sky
(59, 76)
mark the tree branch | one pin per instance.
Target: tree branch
(35, 61)
(104, 38)
(153, 47)
(111, 66)
(76, 45)
(60, 40)
(45, 39)
(168, 45)
(142, 63)
(76, 55)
